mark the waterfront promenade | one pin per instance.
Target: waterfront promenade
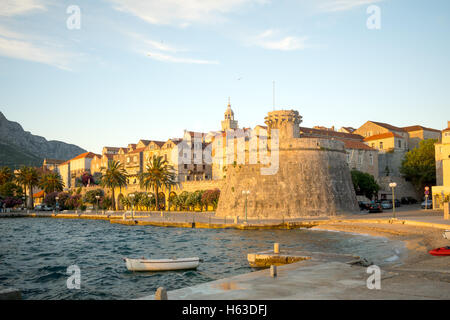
(408, 215)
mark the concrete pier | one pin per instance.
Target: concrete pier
(10, 294)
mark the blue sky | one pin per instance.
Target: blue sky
(150, 69)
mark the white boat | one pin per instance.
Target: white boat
(446, 234)
(162, 264)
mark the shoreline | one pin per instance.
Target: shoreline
(415, 275)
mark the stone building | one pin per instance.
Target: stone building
(51, 164)
(310, 176)
(359, 156)
(392, 144)
(442, 153)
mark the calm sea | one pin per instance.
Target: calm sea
(36, 252)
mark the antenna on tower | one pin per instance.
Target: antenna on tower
(273, 94)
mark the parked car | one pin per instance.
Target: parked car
(375, 207)
(386, 204)
(412, 200)
(41, 207)
(428, 204)
(364, 205)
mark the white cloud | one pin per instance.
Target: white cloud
(270, 39)
(181, 12)
(342, 5)
(168, 58)
(152, 44)
(16, 45)
(159, 50)
(17, 7)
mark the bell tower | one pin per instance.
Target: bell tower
(228, 121)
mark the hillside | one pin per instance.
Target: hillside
(19, 147)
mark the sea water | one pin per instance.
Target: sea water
(35, 254)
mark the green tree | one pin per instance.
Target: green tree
(419, 165)
(6, 175)
(51, 182)
(10, 189)
(158, 175)
(182, 200)
(113, 177)
(364, 184)
(29, 178)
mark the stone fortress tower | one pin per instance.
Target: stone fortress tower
(312, 179)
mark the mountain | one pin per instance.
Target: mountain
(19, 147)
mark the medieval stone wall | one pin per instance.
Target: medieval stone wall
(313, 179)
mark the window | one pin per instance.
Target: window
(381, 144)
(135, 158)
(399, 143)
(371, 158)
(348, 157)
(360, 158)
(128, 159)
(195, 167)
(204, 167)
(185, 166)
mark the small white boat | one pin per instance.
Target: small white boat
(446, 234)
(162, 264)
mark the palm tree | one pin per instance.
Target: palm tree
(114, 176)
(29, 178)
(158, 174)
(6, 175)
(51, 182)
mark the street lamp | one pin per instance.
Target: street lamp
(97, 197)
(246, 192)
(131, 195)
(393, 185)
(57, 205)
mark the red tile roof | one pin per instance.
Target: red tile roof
(418, 128)
(353, 144)
(388, 126)
(137, 150)
(382, 136)
(39, 194)
(84, 155)
(331, 134)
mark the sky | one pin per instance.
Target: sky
(125, 70)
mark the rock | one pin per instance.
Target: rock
(31, 148)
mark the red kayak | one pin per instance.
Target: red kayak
(444, 251)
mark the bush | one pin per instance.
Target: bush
(90, 196)
(73, 202)
(50, 199)
(211, 198)
(11, 202)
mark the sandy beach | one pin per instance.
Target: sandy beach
(418, 241)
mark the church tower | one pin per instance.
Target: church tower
(229, 122)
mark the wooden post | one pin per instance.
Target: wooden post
(161, 294)
(276, 247)
(273, 271)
